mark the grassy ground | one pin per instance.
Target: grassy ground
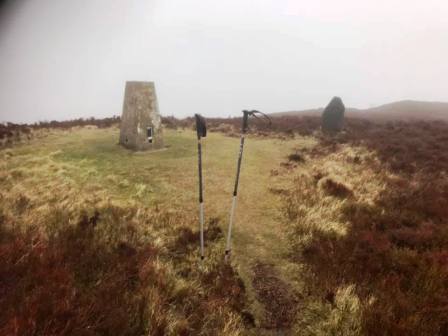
(367, 215)
(334, 235)
(69, 176)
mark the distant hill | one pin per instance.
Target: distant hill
(402, 110)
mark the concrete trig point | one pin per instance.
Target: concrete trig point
(141, 125)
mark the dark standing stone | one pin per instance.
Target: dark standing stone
(333, 116)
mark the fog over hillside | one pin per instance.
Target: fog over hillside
(409, 110)
(402, 110)
(69, 59)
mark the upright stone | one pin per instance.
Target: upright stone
(333, 116)
(141, 125)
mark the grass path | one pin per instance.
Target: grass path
(169, 178)
(259, 242)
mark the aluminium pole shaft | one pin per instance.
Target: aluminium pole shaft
(237, 179)
(246, 115)
(234, 198)
(201, 130)
(201, 200)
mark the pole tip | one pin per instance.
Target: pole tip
(202, 257)
(227, 256)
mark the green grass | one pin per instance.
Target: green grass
(86, 169)
(169, 177)
(318, 244)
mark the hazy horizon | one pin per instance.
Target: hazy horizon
(64, 60)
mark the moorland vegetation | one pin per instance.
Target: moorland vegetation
(363, 214)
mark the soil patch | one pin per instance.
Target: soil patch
(279, 301)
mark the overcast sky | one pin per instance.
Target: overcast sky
(62, 59)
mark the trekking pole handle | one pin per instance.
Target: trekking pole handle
(201, 128)
(253, 113)
(245, 120)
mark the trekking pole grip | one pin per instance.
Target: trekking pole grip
(245, 121)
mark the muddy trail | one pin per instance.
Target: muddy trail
(277, 297)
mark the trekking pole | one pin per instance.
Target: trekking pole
(246, 115)
(201, 131)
